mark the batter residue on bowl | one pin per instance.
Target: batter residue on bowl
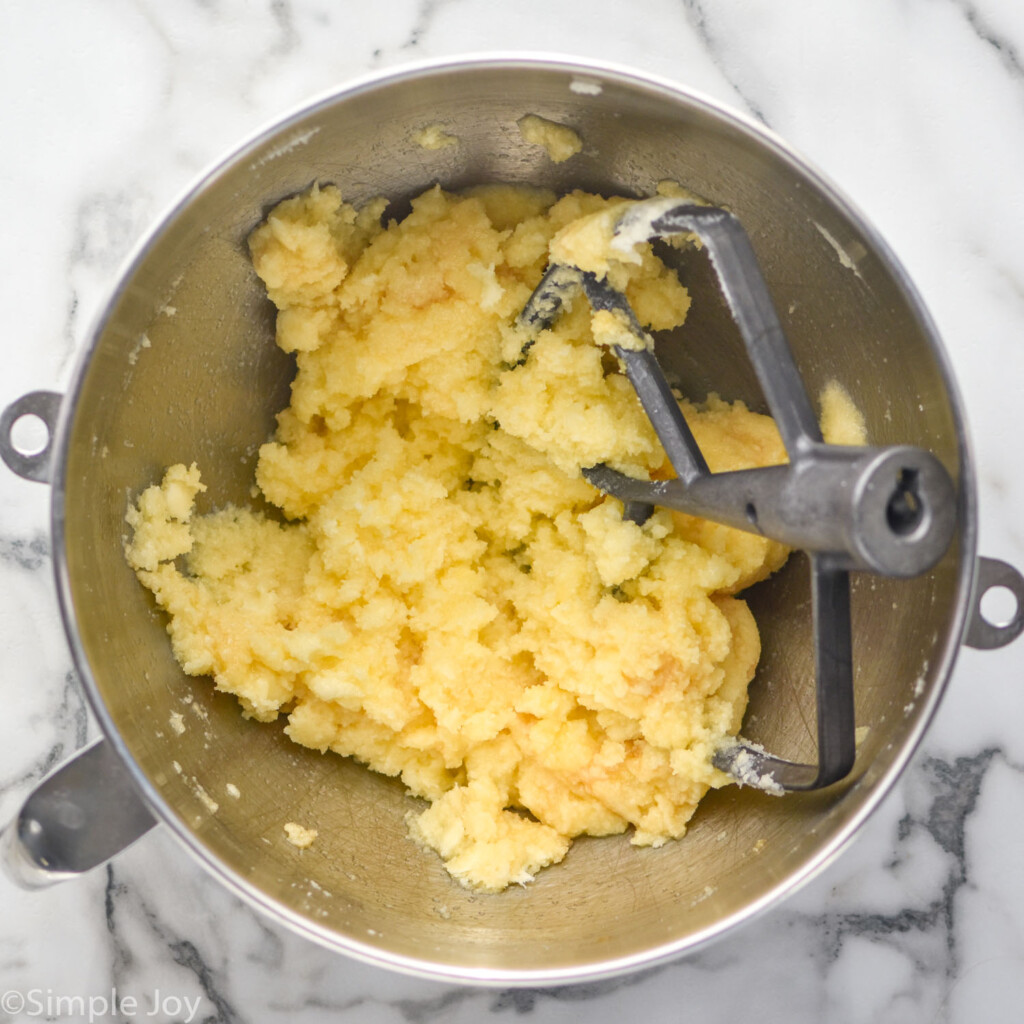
(444, 596)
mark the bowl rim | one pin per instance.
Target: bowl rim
(942, 663)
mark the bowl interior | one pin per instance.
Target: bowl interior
(184, 368)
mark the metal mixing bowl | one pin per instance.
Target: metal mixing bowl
(182, 366)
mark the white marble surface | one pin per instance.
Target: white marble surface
(916, 110)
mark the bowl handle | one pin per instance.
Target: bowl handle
(32, 464)
(982, 632)
(77, 818)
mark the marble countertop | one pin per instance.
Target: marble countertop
(916, 111)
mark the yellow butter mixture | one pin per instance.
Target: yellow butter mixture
(443, 595)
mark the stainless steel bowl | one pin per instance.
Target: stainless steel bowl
(182, 366)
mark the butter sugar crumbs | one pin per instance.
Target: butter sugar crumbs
(444, 597)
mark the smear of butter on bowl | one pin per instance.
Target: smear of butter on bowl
(434, 137)
(845, 258)
(585, 87)
(300, 836)
(559, 140)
